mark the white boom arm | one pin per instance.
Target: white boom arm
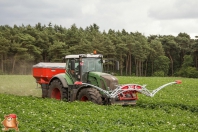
(132, 87)
(140, 89)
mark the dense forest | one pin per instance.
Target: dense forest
(156, 55)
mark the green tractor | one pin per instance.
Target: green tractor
(82, 78)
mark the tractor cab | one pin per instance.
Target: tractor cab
(80, 65)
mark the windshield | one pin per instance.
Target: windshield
(92, 64)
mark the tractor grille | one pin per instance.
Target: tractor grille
(110, 81)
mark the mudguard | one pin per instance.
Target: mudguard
(62, 78)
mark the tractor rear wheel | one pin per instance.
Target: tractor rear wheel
(90, 94)
(57, 91)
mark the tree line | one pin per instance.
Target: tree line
(156, 55)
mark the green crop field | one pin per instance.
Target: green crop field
(175, 108)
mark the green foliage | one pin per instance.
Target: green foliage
(187, 70)
(172, 50)
(188, 61)
(159, 74)
(56, 51)
(190, 72)
(156, 49)
(22, 46)
(161, 64)
(172, 109)
(184, 42)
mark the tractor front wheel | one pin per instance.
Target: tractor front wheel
(57, 91)
(90, 94)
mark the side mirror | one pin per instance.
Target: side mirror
(72, 64)
(117, 65)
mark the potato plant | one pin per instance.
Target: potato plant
(175, 108)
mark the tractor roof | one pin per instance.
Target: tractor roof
(84, 56)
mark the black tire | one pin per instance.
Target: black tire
(90, 94)
(57, 91)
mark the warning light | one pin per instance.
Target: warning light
(94, 52)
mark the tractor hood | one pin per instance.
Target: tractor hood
(103, 80)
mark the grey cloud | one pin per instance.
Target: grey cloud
(175, 10)
(12, 12)
(146, 16)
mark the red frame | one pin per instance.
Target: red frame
(44, 75)
(132, 95)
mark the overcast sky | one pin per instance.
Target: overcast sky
(149, 17)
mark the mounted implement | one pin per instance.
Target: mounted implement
(82, 78)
